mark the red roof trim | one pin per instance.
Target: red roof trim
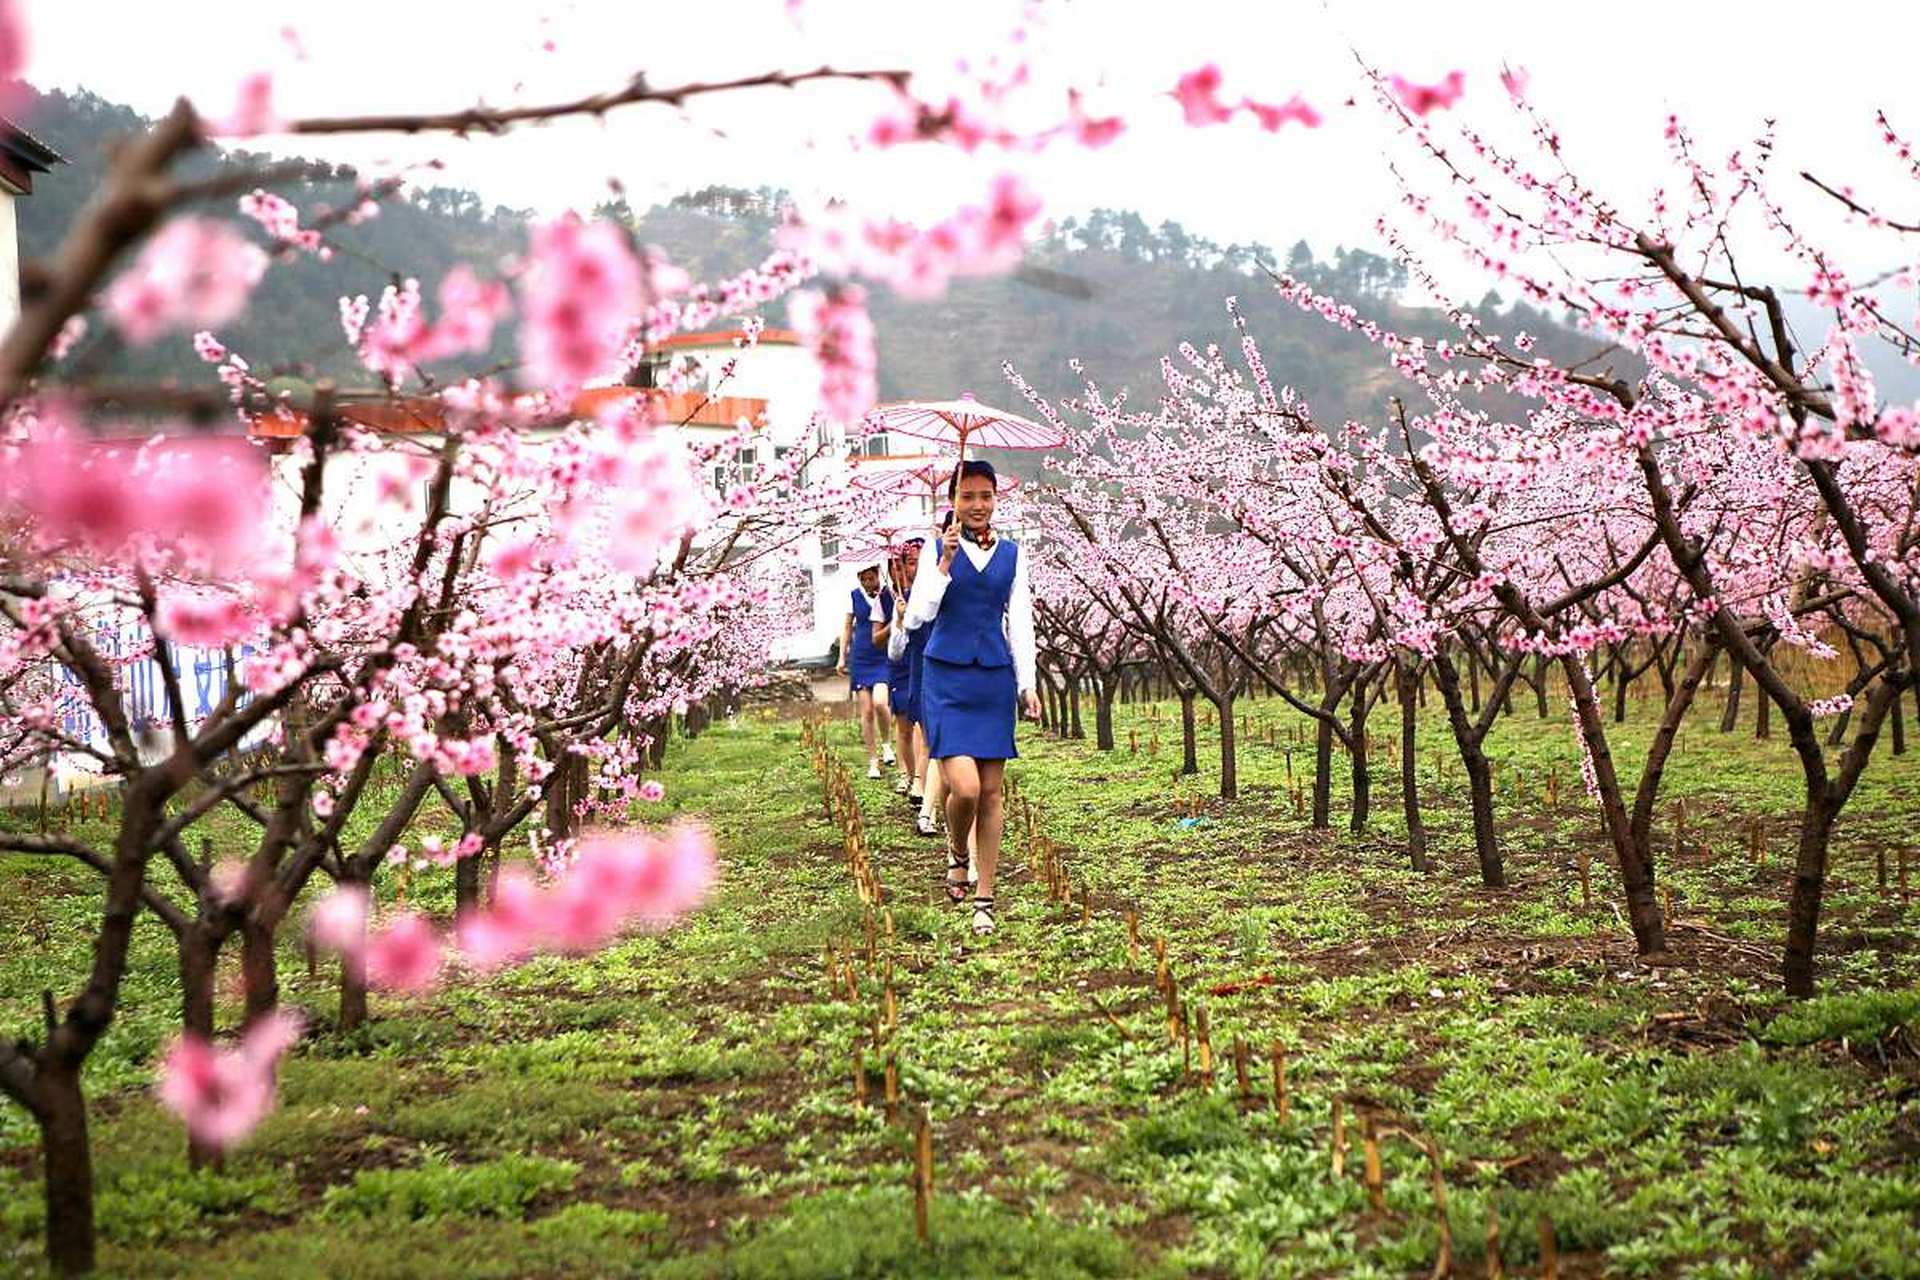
(726, 338)
(421, 415)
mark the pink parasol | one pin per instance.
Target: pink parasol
(962, 422)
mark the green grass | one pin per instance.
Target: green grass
(682, 1104)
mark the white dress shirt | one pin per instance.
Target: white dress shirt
(930, 588)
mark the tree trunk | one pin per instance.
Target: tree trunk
(353, 979)
(1189, 735)
(1620, 683)
(1104, 690)
(1540, 685)
(1486, 841)
(1736, 677)
(466, 885)
(199, 953)
(1410, 771)
(1357, 751)
(1763, 717)
(1809, 886)
(199, 957)
(1322, 775)
(68, 1164)
(259, 969)
(1636, 865)
(1073, 707)
(1229, 764)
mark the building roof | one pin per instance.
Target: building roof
(424, 415)
(726, 338)
(22, 155)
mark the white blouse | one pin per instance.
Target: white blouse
(930, 587)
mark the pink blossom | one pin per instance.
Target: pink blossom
(339, 920)
(212, 621)
(1197, 93)
(1422, 98)
(228, 881)
(1295, 109)
(252, 112)
(222, 1094)
(71, 331)
(653, 791)
(405, 955)
(469, 309)
(206, 496)
(514, 560)
(836, 328)
(196, 272)
(13, 40)
(581, 286)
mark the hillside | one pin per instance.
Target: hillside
(1134, 292)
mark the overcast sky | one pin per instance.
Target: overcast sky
(1607, 74)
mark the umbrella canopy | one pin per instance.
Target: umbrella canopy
(963, 422)
(928, 477)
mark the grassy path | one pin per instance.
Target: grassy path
(683, 1105)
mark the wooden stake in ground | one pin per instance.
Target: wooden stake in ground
(1549, 1250)
(1370, 1168)
(1133, 938)
(1206, 1046)
(1495, 1271)
(1339, 1139)
(1443, 1260)
(1240, 1070)
(892, 1086)
(859, 1078)
(1279, 1054)
(923, 1178)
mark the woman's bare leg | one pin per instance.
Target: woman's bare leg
(903, 740)
(962, 778)
(990, 824)
(865, 697)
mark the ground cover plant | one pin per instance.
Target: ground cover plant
(689, 1104)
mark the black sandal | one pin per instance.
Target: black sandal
(957, 890)
(982, 917)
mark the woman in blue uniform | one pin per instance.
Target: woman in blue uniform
(978, 672)
(891, 636)
(865, 665)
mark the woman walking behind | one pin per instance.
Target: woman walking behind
(893, 637)
(979, 672)
(865, 665)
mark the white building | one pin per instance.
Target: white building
(774, 386)
(21, 156)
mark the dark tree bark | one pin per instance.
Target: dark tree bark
(1736, 677)
(1105, 688)
(1406, 678)
(67, 1157)
(1189, 734)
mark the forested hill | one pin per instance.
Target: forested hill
(1105, 288)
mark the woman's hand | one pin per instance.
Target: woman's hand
(949, 544)
(1032, 705)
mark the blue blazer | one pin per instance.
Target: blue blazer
(970, 629)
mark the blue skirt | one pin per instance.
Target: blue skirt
(899, 693)
(968, 710)
(866, 671)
